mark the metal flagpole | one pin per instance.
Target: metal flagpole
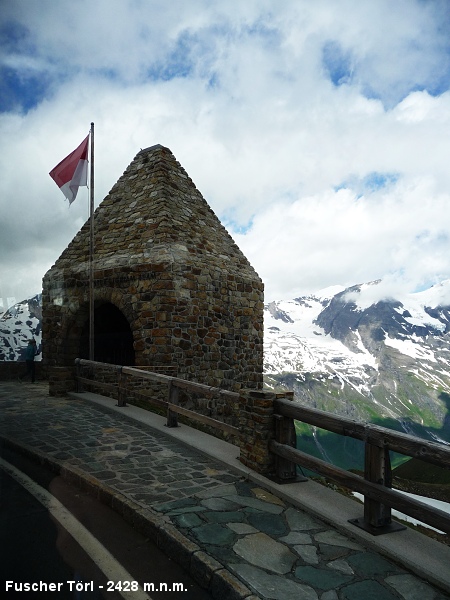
(91, 253)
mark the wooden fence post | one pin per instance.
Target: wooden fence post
(122, 389)
(172, 417)
(78, 384)
(377, 469)
(285, 470)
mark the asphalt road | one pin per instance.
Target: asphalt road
(53, 533)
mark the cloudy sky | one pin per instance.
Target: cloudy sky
(319, 132)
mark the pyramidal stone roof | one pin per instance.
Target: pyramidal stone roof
(155, 214)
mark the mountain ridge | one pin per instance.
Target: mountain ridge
(18, 324)
(364, 354)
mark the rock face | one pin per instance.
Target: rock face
(342, 317)
(17, 325)
(171, 286)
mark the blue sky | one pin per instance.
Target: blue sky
(319, 132)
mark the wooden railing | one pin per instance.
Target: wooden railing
(376, 485)
(121, 387)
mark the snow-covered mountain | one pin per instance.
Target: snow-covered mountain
(17, 325)
(361, 354)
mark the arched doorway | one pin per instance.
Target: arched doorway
(113, 339)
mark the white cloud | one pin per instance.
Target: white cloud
(336, 237)
(329, 183)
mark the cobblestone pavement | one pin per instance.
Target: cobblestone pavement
(270, 549)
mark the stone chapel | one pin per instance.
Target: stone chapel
(170, 285)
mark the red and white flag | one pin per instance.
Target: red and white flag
(71, 172)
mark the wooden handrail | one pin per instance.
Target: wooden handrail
(203, 419)
(174, 384)
(109, 366)
(402, 443)
(414, 508)
(379, 498)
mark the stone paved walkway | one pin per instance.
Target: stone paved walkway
(273, 550)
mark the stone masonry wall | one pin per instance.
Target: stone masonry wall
(210, 335)
(257, 427)
(14, 369)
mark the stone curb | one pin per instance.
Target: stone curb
(205, 570)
